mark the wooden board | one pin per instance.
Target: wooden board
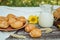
(55, 35)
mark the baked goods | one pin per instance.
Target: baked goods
(17, 24)
(35, 33)
(4, 24)
(29, 27)
(21, 18)
(14, 23)
(3, 18)
(11, 20)
(11, 15)
(57, 13)
(33, 30)
(57, 17)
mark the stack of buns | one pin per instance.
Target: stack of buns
(12, 21)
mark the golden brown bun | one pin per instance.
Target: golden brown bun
(29, 27)
(35, 33)
(57, 13)
(3, 18)
(22, 18)
(11, 20)
(11, 15)
(17, 24)
(4, 24)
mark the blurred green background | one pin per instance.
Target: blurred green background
(28, 3)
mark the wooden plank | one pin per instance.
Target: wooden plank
(55, 35)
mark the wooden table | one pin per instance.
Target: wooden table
(55, 35)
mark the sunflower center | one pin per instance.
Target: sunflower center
(33, 19)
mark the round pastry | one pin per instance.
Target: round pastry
(57, 13)
(17, 24)
(11, 15)
(4, 24)
(3, 18)
(11, 20)
(29, 27)
(22, 18)
(35, 33)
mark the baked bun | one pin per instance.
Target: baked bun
(4, 24)
(22, 18)
(17, 24)
(11, 20)
(3, 18)
(29, 27)
(11, 15)
(57, 13)
(35, 33)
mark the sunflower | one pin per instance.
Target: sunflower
(33, 19)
